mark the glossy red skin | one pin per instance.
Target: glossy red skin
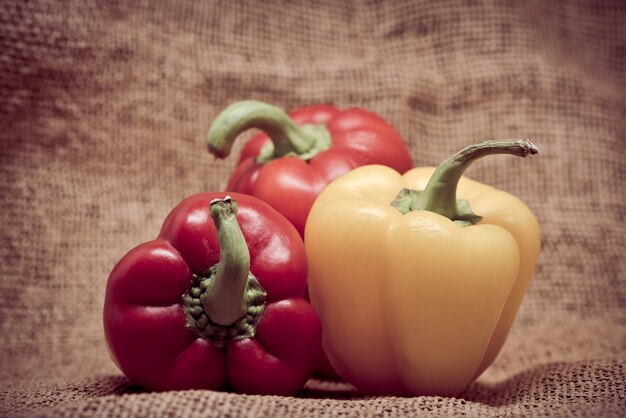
(290, 184)
(144, 321)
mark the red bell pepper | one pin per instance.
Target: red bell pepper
(298, 154)
(215, 301)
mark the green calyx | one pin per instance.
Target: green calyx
(225, 302)
(409, 200)
(199, 321)
(439, 196)
(287, 138)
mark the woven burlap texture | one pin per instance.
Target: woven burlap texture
(103, 110)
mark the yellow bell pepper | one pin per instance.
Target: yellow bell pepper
(416, 294)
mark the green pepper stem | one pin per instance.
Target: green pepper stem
(224, 299)
(286, 136)
(439, 196)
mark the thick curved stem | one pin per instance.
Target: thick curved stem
(286, 136)
(440, 193)
(224, 299)
(439, 196)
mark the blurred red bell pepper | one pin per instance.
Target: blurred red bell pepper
(298, 154)
(215, 301)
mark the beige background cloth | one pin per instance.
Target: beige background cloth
(103, 110)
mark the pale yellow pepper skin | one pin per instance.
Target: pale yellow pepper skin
(415, 304)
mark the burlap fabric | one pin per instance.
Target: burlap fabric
(103, 110)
